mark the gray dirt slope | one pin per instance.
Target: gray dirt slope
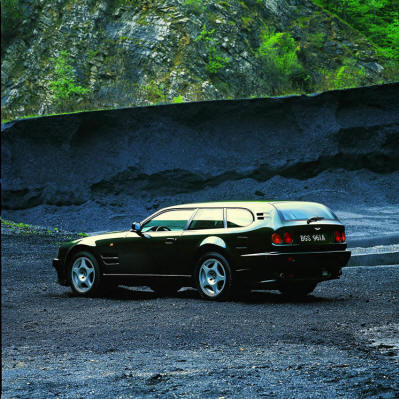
(100, 170)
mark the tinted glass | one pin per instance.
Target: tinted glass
(169, 220)
(291, 211)
(207, 219)
(238, 218)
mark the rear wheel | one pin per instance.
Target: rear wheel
(296, 290)
(85, 274)
(214, 277)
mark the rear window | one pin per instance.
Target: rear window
(292, 211)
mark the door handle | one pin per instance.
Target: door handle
(170, 240)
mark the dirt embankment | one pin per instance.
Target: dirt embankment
(340, 147)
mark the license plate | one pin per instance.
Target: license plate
(312, 237)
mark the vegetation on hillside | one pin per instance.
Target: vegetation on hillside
(279, 54)
(377, 19)
(91, 54)
(64, 87)
(11, 17)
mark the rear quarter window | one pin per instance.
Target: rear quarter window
(238, 217)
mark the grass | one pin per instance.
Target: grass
(57, 114)
(174, 101)
(28, 229)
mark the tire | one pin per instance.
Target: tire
(85, 274)
(165, 289)
(213, 277)
(296, 290)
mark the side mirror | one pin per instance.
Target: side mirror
(136, 227)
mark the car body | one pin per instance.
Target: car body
(218, 247)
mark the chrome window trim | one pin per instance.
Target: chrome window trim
(191, 219)
(155, 214)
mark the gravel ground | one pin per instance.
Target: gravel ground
(342, 341)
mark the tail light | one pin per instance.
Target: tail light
(343, 238)
(282, 238)
(338, 236)
(276, 238)
(287, 238)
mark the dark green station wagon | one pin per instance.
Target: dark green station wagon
(220, 248)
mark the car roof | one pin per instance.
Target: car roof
(252, 205)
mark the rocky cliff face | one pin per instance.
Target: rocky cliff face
(100, 169)
(130, 52)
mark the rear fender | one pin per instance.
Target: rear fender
(213, 240)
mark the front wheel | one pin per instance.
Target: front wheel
(85, 275)
(213, 276)
(296, 290)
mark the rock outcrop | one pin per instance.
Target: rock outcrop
(128, 52)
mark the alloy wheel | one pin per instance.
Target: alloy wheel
(212, 277)
(83, 274)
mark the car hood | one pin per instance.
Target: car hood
(98, 238)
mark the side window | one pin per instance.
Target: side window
(169, 220)
(207, 219)
(238, 217)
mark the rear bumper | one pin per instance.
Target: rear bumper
(61, 273)
(315, 265)
(337, 257)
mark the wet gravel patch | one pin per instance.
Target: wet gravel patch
(133, 344)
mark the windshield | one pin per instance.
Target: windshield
(303, 211)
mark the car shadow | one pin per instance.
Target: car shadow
(253, 297)
(263, 296)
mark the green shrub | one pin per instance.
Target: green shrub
(177, 99)
(278, 52)
(64, 86)
(349, 75)
(317, 40)
(205, 35)
(11, 17)
(215, 60)
(127, 3)
(247, 22)
(196, 6)
(154, 93)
